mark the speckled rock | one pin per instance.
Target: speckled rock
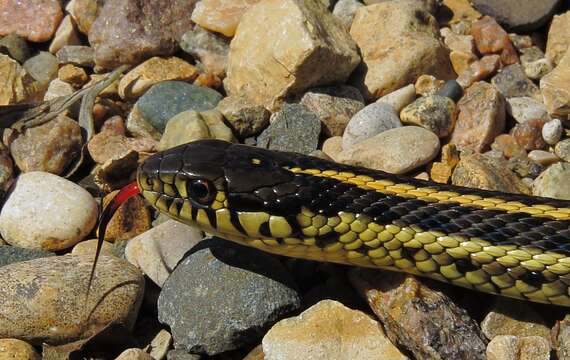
(561, 337)
(132, 218)
(508, 347)
(513, 82)
(553, 182)
(334, 106)
(329, 330)
(47, 212)
(345, 10)
(41, 299)
(555, 88)
(427, 85)
(73, 75)
(274, 52)
(14, 349)
(50, 147)
(222, 16)
(396, 151)
(529, 134)
(516, 15)
(490, 38)
(534, 63)
(245, 118)
(525, 108)
(461, 61)
(372, 120)
(480, 70)
(558, 37)
(157, 251)
(166, 99)
(241, 291)
(36, 20)
(434, 113)
(15, 81)
(481, 117)
(66, 34)
(440, 171)
(76, 54)
(14, 254)
(84, 12)
(460, 11)
(562, 150)
(15, 46)
(294, 128)
(42, 67)
(211, 49)
(160, 345)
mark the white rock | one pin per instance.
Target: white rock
(552, 131)
(45, 211)
(368, 122)
(58, 88)
(526, 108)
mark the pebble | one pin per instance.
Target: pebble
(160, 344)
(134, 354)
(45, 211)
(168, 98)
(553, 182)
(58, 88)
(73, 75)
(433, 112)
(14, 349)
(491, 38)
(329, 330)
(529, 134)
(542, 157)
(6, 169)
(222, 16)
(419, 319)
(519, 16)
(345, 10)
(15, 46)
(562, 150)
(154, 70)
(36, 20)
(427, 85)
(210, 49)
(14, 78)
(244, 117)
(441, 171)
(181, 354)
(132, 218)
(481, 118)
(157, 251)
(334, 106)
(44, 298)
(521, 42)
(76, 54)
(294, 128)
(66, 34)
(555, 88)
(332, 146)
(558, 37)
(480, 70)
(84, 12)
(487, 173)
(508, 146)
(508, 347)
(108, 145)
(401, 97)
(50, 147)
(42, 67)
(403, 45)
(14, 254)
(234, 292)
(460, 11)
(461, 61)
(191, 125)
(272, 58)
(396, 151)
(523, 109)
(89, 247)
(513, 82)
(372, 120)
(534, 63)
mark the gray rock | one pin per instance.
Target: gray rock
(519, 16)
(294, 128)
(181, 354)
(345, 10)
(77, 55)
(166, 99)
(14, 254)
(433, 112)
(209, 48)
(513, 82)
(553, 182)
(552, 131)
(246, 119)
(15, 46)
(368, 122)
(42, 67)
(526, 108)
(223, 296)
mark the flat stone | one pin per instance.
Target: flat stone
(332, 146)
(14, 254)
(42, 67)
(558, 38)
(210, 49)
(77, 55)
(555, 88)
(73, 75)
(45, 211)
(509, 347)
(160, 345)
(513, 82)
(368, 122)
(480, 70)
(562, 150)
(14, 81)
(400, 98)
(345, 10)
(434, 113)
(398, 43)
(332, 331)
(272, 55)
(222, 16)
(157, 251)
(491, 38)
(17, 349)
(481, 117)
(36, 20)
(516, 15)
(15, 46)
(232, 294)
(542, 157)
(523, 109)
(294, 128)
(553, 182)
(66, 34)
(129, 31)
(245, 118)
(396, 151)
(529, 134)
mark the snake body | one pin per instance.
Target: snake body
(305, 207)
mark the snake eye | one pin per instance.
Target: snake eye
(202, 191)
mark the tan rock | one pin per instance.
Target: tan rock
(131, 219)
(397, 47)
(283, 47)
(333, 146)
(441, 171)
(329, 330)
(88, 247)
(491, 38)
(153, 71)
(555, 88)
(222, 16)
(14, 349)
(480, 70)
(133, 354)
(66, 34)
(459, 10)
(245, 118)
(84, 13)
(427, 85)
(14, 81)
(73, 75)
(509, 347)
(461, 60)
(558, 37)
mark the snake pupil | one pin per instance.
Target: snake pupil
(201, 191)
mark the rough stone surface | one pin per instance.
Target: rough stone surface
(17, 350)
(234, 293)
(542, 157)
(345, 10)
(42, 302)
(222, 16)
(77, 55)
(47, 212)
(212, 50)
(66, 34)
(523, 109)
(283, 47)
(73, 75)
(42, 67)
(368, 122)
(529, 134)
(434, 113)
(132, 218)
(555, 88)
(508, 146)
(480, 70)
(395, 151)
(329, 330)
(36, 20)
(512, 82)
(553, 182)
(562, 150)
(58, 88)
(15, 46)
(558, 38)
(245, 118)
(14, 254)
(490, 38)
(509, 347)
(14, 81)
(518, 16)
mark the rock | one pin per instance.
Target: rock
(396, 151)
(153, 71)
(398, 43)
(508, 347)
(427, 85)
(127, 32)
(490, 38)
(222, 16)
(76, 55)
(529, 134)
(521, 42)
(508, 146)
(480, 70)
(241, 291)
(58, 88)
(134, 354)
(460, 43)
(484, 172)
(47, 212)
(400, 98)
(518, 16)
(160, 344)
(273, 56)
(332, 331)
(334, 106)
(36, 20)
(14, 83)
(441, 171)
(111, 175)
(17, 349)
(73, 75)
(132, 218)
(212, 50)
(555, 88)
(534, 63)
(294, 128)
(461, 61)
(255, 354)
(190, 125)
(15, 46)
(208, 80)
(245, 118)
(562, 150)
(372, 120)
(157, 251)
(89, 247)
(6, 169)
(166, 99)
(345, 10)
(433, 112)
(561, 338)
(108, 145)
(84, 13)
(417, 318)
(512, 317)
(542, 157)
(458, 11)
(332, 146)
(553, 182)
(512, 82)
(13, 254)
(181, 354)
(523, 109)
(481, 118)
(66, 34)
(42, 67)
(558, 38)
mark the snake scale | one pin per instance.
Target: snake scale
(305, 207)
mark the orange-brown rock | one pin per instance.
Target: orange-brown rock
(441, 171)
(491, 38)
(480, 70)
(529, 134)
(222, 16)
(35, 20)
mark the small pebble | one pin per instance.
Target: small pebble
(542, 157)
(400, 98)
(509, 347)
(332, 146)
(134, 354)
(244, 117)
(14, 349)
(529, 134)
(368, 122)
(427, 85)
(552, 131)
(525, 108)
(433, 112)
(562, 150)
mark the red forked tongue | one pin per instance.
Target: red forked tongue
(123, 195)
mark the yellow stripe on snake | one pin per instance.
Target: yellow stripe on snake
(305, 207)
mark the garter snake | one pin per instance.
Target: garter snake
(305, 207)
